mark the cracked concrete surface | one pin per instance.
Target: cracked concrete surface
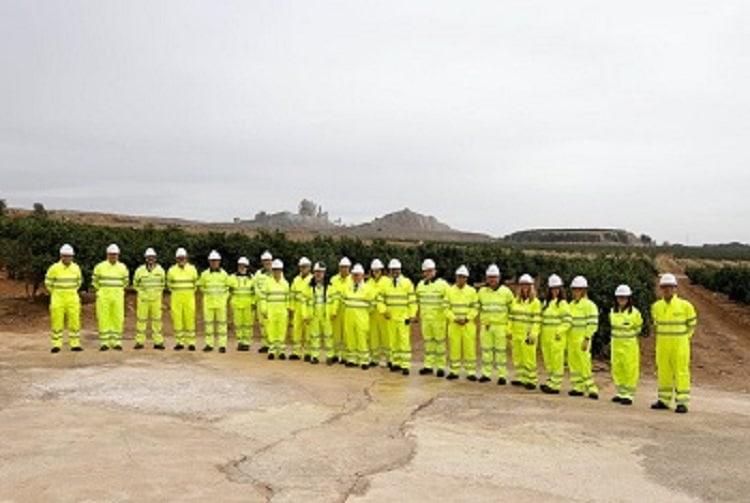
(151, 426)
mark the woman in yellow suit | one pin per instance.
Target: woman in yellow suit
(627, 323)
(555, 327)
(524, 327)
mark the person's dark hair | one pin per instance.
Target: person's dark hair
(628, 307)
(548, 298)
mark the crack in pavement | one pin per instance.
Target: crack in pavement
(362, 479)
(234, 474)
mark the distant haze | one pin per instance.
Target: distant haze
(491, 116)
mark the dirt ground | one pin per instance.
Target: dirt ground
(156, 426)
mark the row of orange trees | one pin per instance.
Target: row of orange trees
(30, 244)
(734, 281)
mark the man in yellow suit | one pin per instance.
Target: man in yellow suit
(462, 331)
(301, 312)
(62, 281)
(149, 281)
(182, 281)
(432, 298)
(259, 284)
(242, 301)
(674, 322)
(214, 285)
(398, 303)
(359, 301)
(584, 316)
(378, 323)
(495, 301)
(339, 284)
(274, 307)
(110, 279)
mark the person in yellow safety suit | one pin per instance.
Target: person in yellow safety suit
(525, 322)
(182, 281)
(495, 301)
(149, 281)
(339, 284)
(674, 321)
(378, 323)
(432, 298)
(398, 303)
(301, 312)
(359, 300)
(110, 278)
(627, 323)
(274, 307)
(62, 281)
(556, 323)
(584, 324)
(320, 323)
(242, 301)
(214, 284)
(259, 283)
(461, 312)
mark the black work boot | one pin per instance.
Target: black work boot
(617, 399)
(207, 349)
(501, 381)
(314, 360)
(191, 347)
(307, 358)
(104, 348)
(659, 405)
(54, 350)
(440, 373)
(178, 347)
(159, 347)
(529, 386)
(452, 376)
(574, 392)
(263, 349)
(681, 409)
(626, 401)
(471, 377)
(282, 356)
(222, 350)
(516, 382)
(406, 373)
(425, 371)
(138, 345)
(76, 349)
(484, 379)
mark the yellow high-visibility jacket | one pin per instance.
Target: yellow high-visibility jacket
(462, 303)
(494, 305)
(214, 285)
(63, 280)
(149, 283)
(432, 298)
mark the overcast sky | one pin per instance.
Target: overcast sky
(493, 116)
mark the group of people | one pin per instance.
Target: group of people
(364, 321)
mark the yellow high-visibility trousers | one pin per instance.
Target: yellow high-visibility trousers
(462, 340)
(65, 307)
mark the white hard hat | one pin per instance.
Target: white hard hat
(358, 269)
(180, 253)
(668, 279)
(214, 255)
(462, 271)
(345, 262)
(394, 263)
(579, 282)
(113, 249)
(428, 264)
(304, 261)
(376, 264)
(525, 279)
(623, 291)
(150, 252)
(243, 261)
(266, 255)
(319, 266)
(67, 250)
(493, 270)
(277, 264)
(554, 281)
